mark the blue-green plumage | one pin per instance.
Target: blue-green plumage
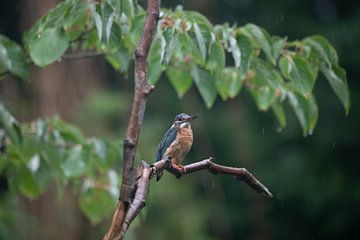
(168, 138)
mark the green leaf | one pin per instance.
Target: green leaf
(263, 95)
(106, 153)
(180, 78)
(235, 51)
(263, 39)
(298, 71)
(267, 73)
(305, 109)
(196, 17)
(230, 83)
(68, 132)
(201, 41)
(326, 51)
(216, 60)
(97, 204)
(336, 77)
(25, 182)
(48, 46)
(120, 59)
(265, 85)
(12, 58)
(156, 55)
(246, 52)
(278, 45)
(205, 83)
(170, 42)
(74, 164)
(279, 112)
(128, 7)
(10, 125)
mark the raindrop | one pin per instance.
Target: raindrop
(59, 60)
(38, 36)
(263, 131)
(333, 145)
(310, 132)
(278, 129)
(213, 184)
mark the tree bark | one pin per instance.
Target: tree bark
(142, 89)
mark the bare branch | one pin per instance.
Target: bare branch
(146, 172)
(240, 174)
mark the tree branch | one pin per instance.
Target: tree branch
(146, 172)
(142, 89)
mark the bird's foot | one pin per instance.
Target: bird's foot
(179, 168)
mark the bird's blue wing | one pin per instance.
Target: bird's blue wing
(166, 141)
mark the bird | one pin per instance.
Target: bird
(176, 143)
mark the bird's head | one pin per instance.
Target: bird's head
(183, 120)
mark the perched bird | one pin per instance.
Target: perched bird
(176, 143)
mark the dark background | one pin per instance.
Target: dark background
(315, 179)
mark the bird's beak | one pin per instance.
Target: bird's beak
(192, 118)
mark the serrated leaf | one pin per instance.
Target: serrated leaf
(305, 109)
(10, 125)
(156, 55)
(278, 45)
(97, 204)
(336, 77)
(180, 78)
(264, 96)
(49, 46)
(267, 73)
(205, 83)
(229, 84)
(201, 40)
(12, 58)
(216, 60)
(196, 17)
(265, 85)
(298, 71)
(263, 39)
(246, 54)
(326, 51)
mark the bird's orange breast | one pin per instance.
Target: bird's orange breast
(181, 146)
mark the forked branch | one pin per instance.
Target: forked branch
(146, 172)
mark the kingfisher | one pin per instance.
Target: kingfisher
(176, 142)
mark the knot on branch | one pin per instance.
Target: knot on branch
(140, 53)
(128, 143)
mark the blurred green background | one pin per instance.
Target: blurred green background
(315, 179)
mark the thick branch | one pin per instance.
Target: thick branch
(142, 89)
(146, 172)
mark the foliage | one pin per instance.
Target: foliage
(220, 60)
